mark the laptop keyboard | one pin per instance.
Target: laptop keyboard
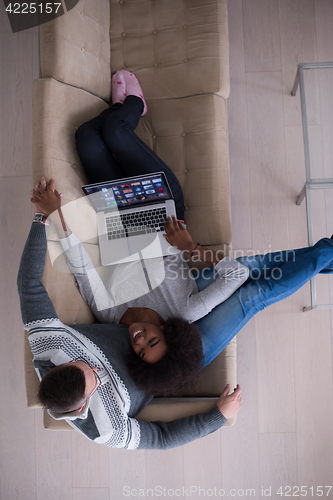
(144, 222)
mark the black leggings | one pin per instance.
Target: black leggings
(109, 149)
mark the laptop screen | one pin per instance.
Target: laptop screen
(125, 193)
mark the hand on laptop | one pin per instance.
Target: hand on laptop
(177, 236)
(45, 197)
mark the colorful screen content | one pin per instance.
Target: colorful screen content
(127, 193)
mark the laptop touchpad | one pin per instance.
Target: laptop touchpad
(150, 243)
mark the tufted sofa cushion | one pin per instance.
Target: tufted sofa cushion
(58, 111)
(75, 48)
(176, 48)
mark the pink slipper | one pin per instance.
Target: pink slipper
(118, 88)
(133, 88)
(125, 83)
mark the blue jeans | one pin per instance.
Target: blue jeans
(273, 277)
(109, 149)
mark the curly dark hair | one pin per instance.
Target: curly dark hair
(62, 389)
(178, 368)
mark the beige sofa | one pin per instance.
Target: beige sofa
(179, 51)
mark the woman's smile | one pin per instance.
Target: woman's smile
(148, 341)
(137, 332)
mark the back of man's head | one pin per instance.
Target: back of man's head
(62, 389)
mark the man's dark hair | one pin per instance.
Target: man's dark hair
(180, 365)
(62, 388)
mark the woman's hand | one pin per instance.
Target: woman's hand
(45, 197)
(177, 236)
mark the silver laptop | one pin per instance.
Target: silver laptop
(130, 217)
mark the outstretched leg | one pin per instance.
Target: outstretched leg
(283, 278)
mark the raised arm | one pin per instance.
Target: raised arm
(36, 305)
(90, 284)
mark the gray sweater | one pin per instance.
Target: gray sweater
(165, 285)
(109, 416)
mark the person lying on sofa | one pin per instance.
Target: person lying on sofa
(109, 149)
(167, 345)
(273, 277)
(169, 348)
(90, 385)
(103, 409)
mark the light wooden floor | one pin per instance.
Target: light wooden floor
(284, 433)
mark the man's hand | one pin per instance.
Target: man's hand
(45, 197)
(177, 236)
(230, 405)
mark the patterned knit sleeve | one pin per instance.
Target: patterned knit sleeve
(35, 303)
(165, 435)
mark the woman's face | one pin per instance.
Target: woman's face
(148, 341)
